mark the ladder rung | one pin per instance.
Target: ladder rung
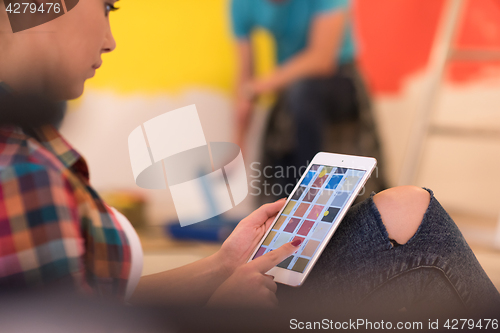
(475, 55)
(486, 133)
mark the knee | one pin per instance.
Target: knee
(402, 209)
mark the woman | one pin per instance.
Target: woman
(56, 230)
(322, 103)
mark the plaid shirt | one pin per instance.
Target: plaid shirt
(54, 228)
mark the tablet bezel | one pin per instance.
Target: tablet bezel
(295, 279)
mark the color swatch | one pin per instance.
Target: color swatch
(334, 182)
(282, 239)
(311, 194)
(260, 252)
(320, 180)
(325, 196)
(300, 265)
(298, 193)
(289, 207)
(292, 225)
(340, 199)
(301, 210)
(307, 179)
(305, 228)
(286, 262)
(321, 230)
(330, 214)
(310, 248)
(279, 223)
(315, 212)
(350, 183)
(269, 238)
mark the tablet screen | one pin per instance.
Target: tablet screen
(311, 212)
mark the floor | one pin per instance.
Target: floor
(162, 253)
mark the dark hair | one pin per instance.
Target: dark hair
(28, 111)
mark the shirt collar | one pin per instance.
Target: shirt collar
(51, 139)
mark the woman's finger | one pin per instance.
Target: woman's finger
(269, 222)
(267, 261)
(273, 299)
(270, 284)
(267, 299)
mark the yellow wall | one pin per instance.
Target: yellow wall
(170, 45)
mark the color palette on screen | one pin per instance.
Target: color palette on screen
(311, 212)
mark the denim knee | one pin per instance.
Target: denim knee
(360, 260)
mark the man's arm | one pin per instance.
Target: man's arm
(244, 100)
(317, 59)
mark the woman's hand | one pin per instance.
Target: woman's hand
(238, 247)
(249, 286)
(196, 283)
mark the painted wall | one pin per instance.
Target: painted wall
(175, 53)
(172, 45)
(397, 37)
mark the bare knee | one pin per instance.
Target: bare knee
(402, 209)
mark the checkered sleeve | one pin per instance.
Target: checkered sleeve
(40, 237)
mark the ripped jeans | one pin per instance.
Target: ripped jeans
(362, 267)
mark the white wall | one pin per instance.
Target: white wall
(464, 173)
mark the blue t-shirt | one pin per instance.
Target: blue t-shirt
(289, 21)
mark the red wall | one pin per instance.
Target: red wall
(396, 37)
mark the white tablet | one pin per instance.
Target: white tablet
(313, 212)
